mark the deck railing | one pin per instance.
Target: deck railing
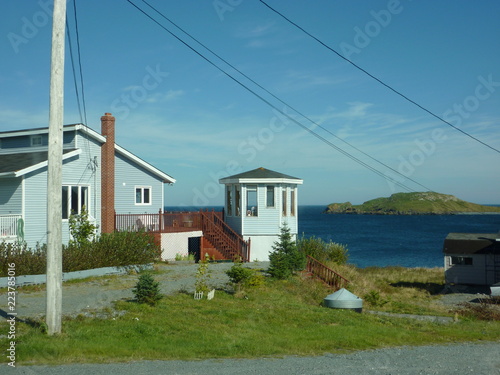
(163, 222)
(325, 273)
(9, 225)
(211, 223)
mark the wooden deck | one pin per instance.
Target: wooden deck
(211, 223)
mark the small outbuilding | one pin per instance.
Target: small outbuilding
(257, 204)
(472, 258)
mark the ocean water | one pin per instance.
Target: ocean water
(392, 240)
(388, 240)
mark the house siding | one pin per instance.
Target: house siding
(77, 170)
(35, 193)
(269, 219)
(467, 274)
(128, 176)
(11, 196)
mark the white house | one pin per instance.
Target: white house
(257, 204)
(472, 258)
(97, 174)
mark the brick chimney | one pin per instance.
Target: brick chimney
(108, 174)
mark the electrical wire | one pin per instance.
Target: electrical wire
(280, 100)
(379, 80)
(80, 61)
(73, 69)
(271, 105)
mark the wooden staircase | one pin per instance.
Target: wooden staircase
(224, 239)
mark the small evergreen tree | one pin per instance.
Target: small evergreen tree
(285, 259)
(147, 290)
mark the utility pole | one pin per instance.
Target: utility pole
(54, 176)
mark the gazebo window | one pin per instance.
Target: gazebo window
(252, 206)
(237, 197)
(270, 196)
(293, 202)
(229, 200)
(284, 202)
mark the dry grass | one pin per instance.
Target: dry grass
(397, 289)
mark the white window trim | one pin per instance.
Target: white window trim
(33, 137)
(142, 187)
(70, 186)
(274, 196)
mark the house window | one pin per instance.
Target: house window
(143, 195)
(293, 204)
(270, 196)
(229, 200)
(74, 197)
(237, 197)
(36, 140)
(461, 261)
(252, 208)
(284, 201)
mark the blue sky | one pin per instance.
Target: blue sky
(190, 120)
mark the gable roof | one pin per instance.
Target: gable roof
(15, 165)
(471, 243)
(261, 175)
(36, 160)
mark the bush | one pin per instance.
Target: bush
(244, 277)
(285, 259)
(27, 261)
(147, 290)
(108, 250)
(323, 251)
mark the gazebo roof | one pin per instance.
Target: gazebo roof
(261, 175)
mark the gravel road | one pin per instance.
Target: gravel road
(477, 359)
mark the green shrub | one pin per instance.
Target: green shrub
(117, 249)
(202, 276)
(285, 259)
(27, 261)
(244, 277)
(373, 298)
(323, 251)
(82, 231)
(147, 290)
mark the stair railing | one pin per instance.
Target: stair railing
(325, 273)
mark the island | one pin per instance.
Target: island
(420, 203)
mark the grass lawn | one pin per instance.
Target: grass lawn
(277, 319)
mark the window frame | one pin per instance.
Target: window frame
(284, 198)
(142, 189)
(82, 199)
(293, 202)
(252, 189)
(36, 137)
(461, 260)
(237, 200)
(229, 200)
(270, 188)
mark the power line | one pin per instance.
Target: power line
(80, 61)
(73, 69)
(271, 105)
(281, 101)
(377, 79)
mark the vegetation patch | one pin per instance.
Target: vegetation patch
(281, 317)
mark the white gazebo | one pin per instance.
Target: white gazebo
(257, 204)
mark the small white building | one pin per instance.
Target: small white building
(472, 258)
(257, 204)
